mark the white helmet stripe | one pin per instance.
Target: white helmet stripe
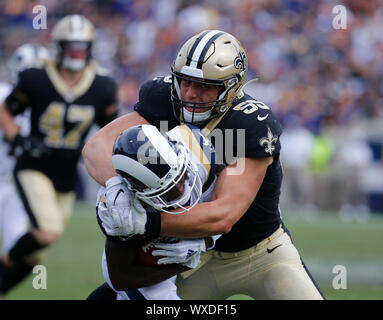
(136, 170)
(76, 23)
(200, 49)
(162, 145)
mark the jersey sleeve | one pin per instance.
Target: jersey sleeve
(264, 139)
(18, 99)
(256, 130)
(110, 111)
(154, 103)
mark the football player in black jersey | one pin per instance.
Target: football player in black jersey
(255, 256)
(66, 97)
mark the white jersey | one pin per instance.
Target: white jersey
(167, 290)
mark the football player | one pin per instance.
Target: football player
(163, 174)
(256, 250)
(65, 97)
(13, 218)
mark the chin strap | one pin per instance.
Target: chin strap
(207, 129)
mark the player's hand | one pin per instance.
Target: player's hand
(185, 252)
(121, 217)
(31, 145)
(105, 220)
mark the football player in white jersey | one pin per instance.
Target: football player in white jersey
(160, 173)
(25, 56)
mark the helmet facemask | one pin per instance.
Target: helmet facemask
(192, 186)
(156, 191)
(68, 50)
(214, 108)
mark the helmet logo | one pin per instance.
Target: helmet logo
(240, 61)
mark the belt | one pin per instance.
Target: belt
(249, 251)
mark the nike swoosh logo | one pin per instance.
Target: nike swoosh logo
(118, 193)
(262, 118)
(272, 249)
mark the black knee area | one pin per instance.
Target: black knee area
(11, 276)
(25, 246)
(103, 292)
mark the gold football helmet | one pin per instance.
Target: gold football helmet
(211, 57)
(72, 39)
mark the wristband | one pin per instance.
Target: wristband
(113, 181)
(153, 224)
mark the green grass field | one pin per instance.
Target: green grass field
(73, 264)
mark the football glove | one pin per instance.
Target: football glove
(185, 252)
(31, 145)
(118, 216)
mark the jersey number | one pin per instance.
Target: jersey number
(250, 106)
(52, 124)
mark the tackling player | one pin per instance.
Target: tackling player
(161, 173)
(66, 97)
(256, 250)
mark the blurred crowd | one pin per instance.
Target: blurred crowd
(315, 78)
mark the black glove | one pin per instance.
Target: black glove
(31, 145)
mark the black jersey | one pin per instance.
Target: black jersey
(250, 129)
(61, 117)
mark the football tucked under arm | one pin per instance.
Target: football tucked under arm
(165, 251)
(124, 271)
(145, 252)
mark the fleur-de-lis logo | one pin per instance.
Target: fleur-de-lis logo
(240, 61)
(268, 141)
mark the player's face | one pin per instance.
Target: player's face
(176, 191)
(197, 92)
(75, 50)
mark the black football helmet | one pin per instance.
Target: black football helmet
(151, 165)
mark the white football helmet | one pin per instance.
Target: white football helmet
(152, 165)
(72, 41)
(27, 56)
(211, 57)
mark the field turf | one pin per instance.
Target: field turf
(73, 264)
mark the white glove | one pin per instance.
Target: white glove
(185, 252)
(118, 216)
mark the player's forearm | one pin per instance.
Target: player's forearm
(7, 124)
(97, 155)
(233, 194)
(97, 152)
(205, 219)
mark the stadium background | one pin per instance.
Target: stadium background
(325, 85)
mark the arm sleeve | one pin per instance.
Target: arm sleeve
(264, 140)
(18, 99)
(110, 111)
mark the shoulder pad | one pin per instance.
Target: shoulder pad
(154, 102)
(261, 129)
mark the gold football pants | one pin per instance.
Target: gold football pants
(271, 270)
(48, 209)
